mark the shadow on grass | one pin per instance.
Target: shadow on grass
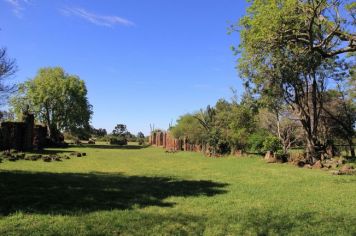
(72, 193)
(51, 152)
(108, 146)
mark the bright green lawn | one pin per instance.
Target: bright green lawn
(150, 192)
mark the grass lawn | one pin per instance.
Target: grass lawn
(145, 191)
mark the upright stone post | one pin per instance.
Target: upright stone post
(164, 140)
(29, 121)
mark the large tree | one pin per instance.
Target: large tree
(7, 69)
(289, 49)
(57, 99)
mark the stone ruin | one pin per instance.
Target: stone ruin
(171, 144)
(22, 136)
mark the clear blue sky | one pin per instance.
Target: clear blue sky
(143, 61)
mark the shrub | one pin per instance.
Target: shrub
(105, 138)
(119, 140)
(255, 141)
(223, 147)
(271, 143)
(141, 141)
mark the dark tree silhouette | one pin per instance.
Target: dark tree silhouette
(7, 69)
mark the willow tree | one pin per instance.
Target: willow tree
(57, 99)
(290, 48)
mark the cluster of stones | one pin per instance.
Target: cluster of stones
(13, 155)
(338, 166)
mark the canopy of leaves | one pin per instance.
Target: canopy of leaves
(56, 98)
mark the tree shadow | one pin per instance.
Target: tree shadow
(102, 146)
(71, 193)
(51, 152)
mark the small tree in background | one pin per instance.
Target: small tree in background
(119, 135)
(119, 130)
(140, 138)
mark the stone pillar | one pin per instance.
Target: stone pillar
(154, 138)
(164, 139)
(29, 120)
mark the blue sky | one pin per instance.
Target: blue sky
(144, 62)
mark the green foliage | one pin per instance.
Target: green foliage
(98, 132)
(141, 141)
(189, 127)
(224, 127)
(57, 99)
(261, 142)
(118, 140)
(288, 51)
(271, 143)
(140, 135)
(119, 130)
(256, 140)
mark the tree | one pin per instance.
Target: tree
(7, 69)
(189, 127)
(281, 123)
(140, 135)
(236, 121)
(98, 132)
(340, 117)
(289, 49)
(57, 99)
(119, 130)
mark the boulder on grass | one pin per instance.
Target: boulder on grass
(300, 163)
(318, 165)
(47, 159)
(56, 158)
(34, 157)
(91, 141)
(346, 170)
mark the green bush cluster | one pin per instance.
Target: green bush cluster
(118, 140)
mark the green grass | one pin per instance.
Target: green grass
(145, 191)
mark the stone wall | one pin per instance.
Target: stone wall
(22, 136)
(167, 141)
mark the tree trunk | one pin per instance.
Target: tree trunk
(352, 150)
(311, 152)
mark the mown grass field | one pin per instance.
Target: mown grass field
(145, 191)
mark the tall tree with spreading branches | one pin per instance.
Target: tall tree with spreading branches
(57, 99)
(290, 49)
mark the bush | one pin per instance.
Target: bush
(271, 143)
(105, 138)
(118, 140)
(255, 141)
(224, 147)
(141, 141)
